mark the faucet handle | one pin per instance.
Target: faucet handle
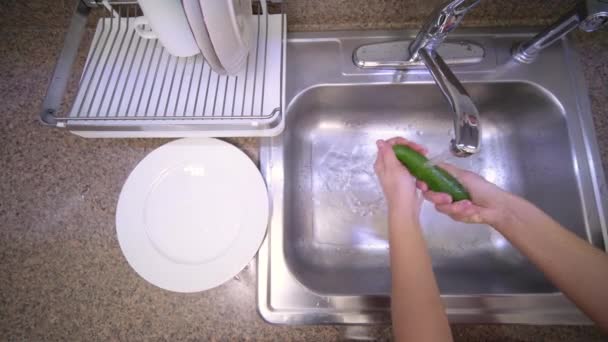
(595, 22)
(451, 14)
(595, 15)
(588, 15)
(442, 21)
(461, 7)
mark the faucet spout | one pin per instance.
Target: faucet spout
(467, 130)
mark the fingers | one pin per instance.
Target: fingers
(474, 183)
(419, 199)
(471, 217)
(454, 208)
(438, 198)
(422, 186)
(389, 156)
(414, 146)
(464, 211)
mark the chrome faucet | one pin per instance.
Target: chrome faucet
(588, 15)
(445, 19)
(423, 50)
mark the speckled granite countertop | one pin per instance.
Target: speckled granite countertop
(63, 276)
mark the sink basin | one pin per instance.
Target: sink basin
(335, 215)
(326, 258)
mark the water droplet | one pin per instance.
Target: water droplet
(419, 133)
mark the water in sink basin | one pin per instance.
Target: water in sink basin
(335, 215)
(350, 210)
(349, 205)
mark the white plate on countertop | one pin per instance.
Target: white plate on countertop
(192, 214)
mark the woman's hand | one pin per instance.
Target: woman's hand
(488, 201)
(398, 185)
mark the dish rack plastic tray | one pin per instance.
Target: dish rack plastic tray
(109, 82)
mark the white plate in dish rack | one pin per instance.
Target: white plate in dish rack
(192, 214)
(231, 30)
(133, 88)
(201, 35)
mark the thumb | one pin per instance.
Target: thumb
(462, 176)
(450, 168)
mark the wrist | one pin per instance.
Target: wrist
(401, 200)
(506, 214)
(403, 216)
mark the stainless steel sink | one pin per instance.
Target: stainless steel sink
(335, 218)
(325, 259)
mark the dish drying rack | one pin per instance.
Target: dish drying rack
(116, 84)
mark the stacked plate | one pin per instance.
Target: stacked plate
(220, 30)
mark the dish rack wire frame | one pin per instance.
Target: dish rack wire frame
(56, 98)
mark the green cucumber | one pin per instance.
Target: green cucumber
(437, 179)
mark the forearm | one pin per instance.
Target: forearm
(417, 310)
(578, 269)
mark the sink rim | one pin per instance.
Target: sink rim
(551, 308)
